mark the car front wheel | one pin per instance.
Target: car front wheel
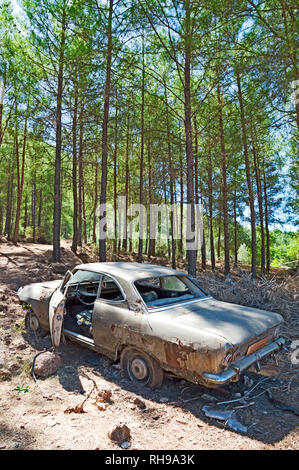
(139, 367)
(33, 325)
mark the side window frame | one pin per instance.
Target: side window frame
(98, 298)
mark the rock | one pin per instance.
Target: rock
(5, 374)
(120, 434)
(14, 367)
(140, 403)
(46, 364)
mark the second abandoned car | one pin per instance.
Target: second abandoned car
(153, 319)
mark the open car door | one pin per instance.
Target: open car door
(56, 310)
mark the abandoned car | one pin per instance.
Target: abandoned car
(154, 320)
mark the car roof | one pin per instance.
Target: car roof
(130, 271)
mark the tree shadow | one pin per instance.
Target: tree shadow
(265, 421)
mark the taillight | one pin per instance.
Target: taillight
(228, 357)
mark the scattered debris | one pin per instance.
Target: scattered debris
(247, 381)
(103, 397)
(280, 405)
(75, 409)
(206, 396)
(224, 415)
(235, 425)
(80, 408)
(125, 445)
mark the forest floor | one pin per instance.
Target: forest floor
(36, 414)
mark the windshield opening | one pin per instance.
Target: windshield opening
(166, 290)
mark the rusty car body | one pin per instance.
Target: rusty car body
(153, 319)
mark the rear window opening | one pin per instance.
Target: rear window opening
(166, 290)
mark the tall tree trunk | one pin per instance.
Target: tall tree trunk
(84, 211)
(151, 245)
(191, 253)
(115, 176)
(2, 93)
(248, 176)
(26, 215)
(268, 258)
(80, 171)
(219, 241)
(57, 186)
(34, 206)
(141, 218)
(171, 186)
(74, 172)
(210, 188)
(125, 229)
(20, 174)
(224, 184)
(39, 220)
(235, 230)
(260, 200)
(181, 199)
(94, 238)
(9, 200)
(103, 195)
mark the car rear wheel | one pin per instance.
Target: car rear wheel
(33, 325)
(139, 367)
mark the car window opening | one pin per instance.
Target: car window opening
(166, 290)
(110, 290)
(81, 293)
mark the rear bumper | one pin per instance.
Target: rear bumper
(233, 373)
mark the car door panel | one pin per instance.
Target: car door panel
(56, 310)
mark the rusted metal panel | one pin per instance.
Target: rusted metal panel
(188, 339)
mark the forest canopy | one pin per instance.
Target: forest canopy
(168, 102)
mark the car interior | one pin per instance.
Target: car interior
(81, 293)
(164, 290)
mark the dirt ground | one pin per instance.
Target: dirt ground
(34, 414)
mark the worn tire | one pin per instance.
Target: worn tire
(141, 368)
(33, 325)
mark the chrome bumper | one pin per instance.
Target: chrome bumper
(233, 373)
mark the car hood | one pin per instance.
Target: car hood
(236, 323)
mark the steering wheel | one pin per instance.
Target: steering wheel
(84, 294)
